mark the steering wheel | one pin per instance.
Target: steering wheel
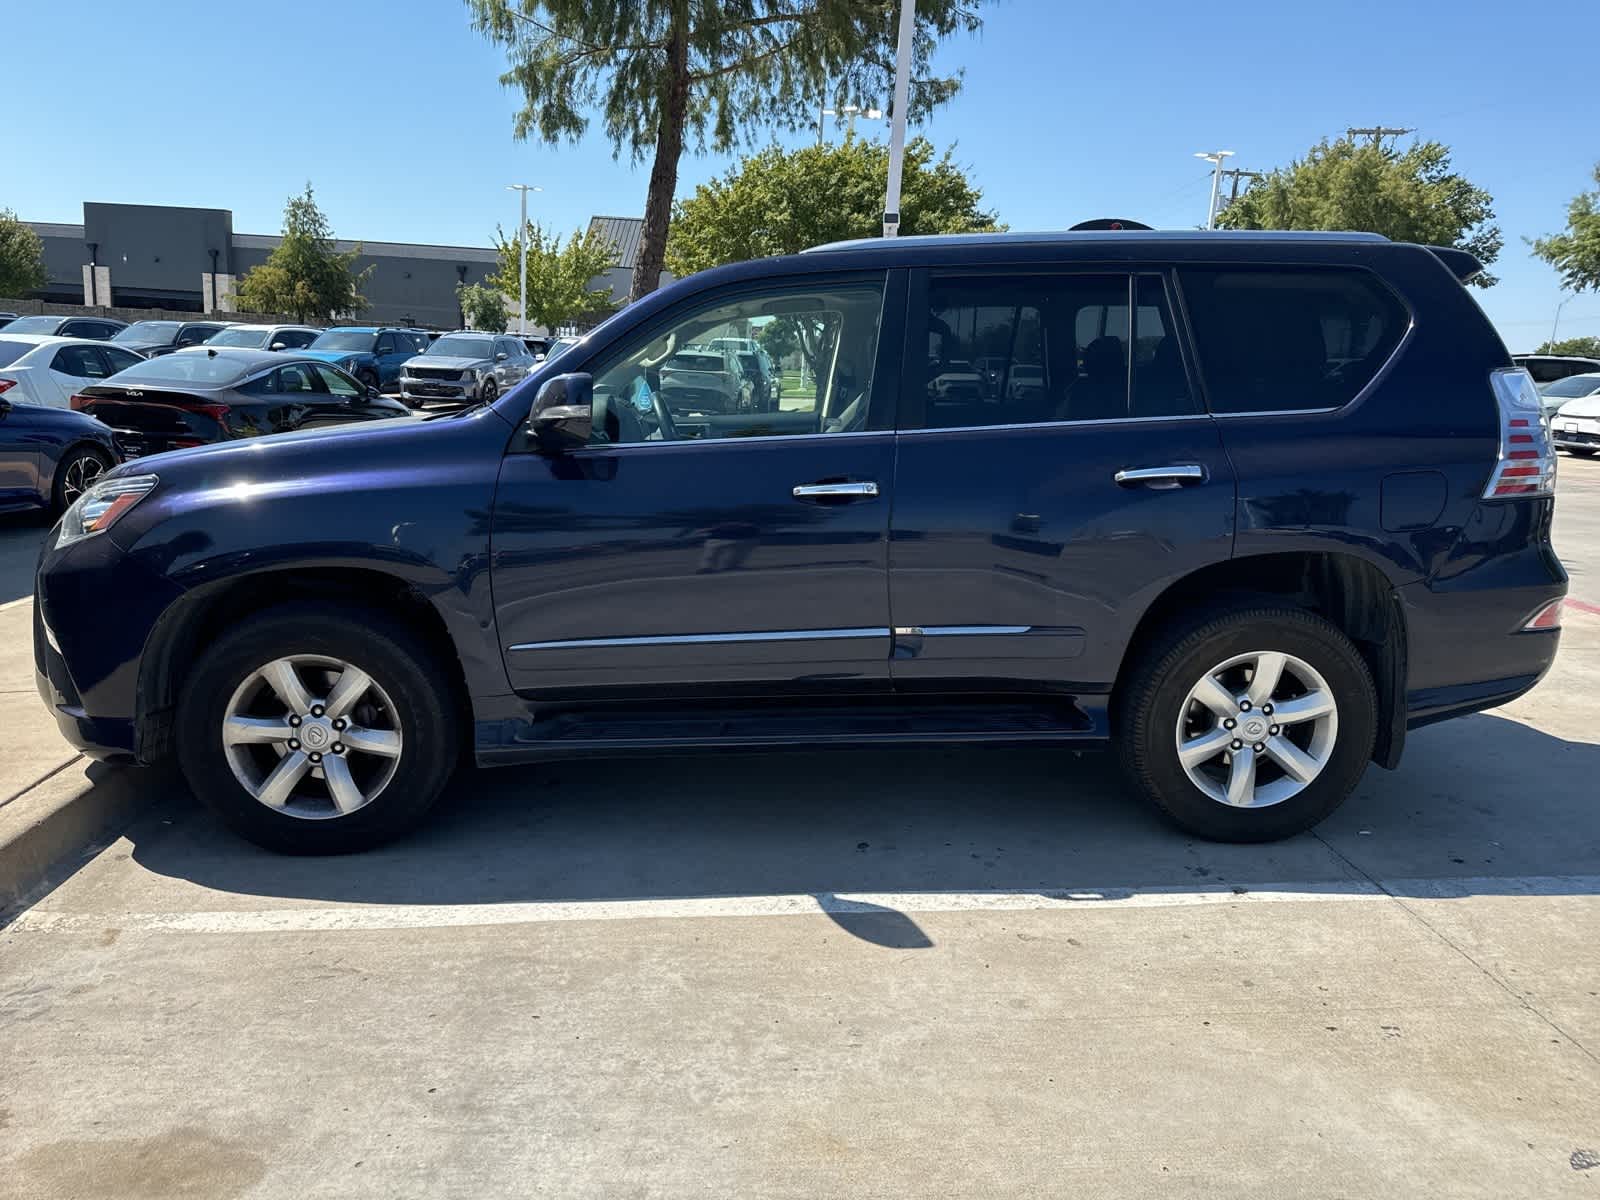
(669, 431)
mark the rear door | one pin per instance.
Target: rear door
(1036, 517)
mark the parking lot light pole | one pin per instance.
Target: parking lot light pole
(897, 120)
(1215, 156)
(1555, 326)
(522, 254)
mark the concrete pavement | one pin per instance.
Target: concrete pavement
(940, 974)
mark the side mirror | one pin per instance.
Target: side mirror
(276, 346)
(501, 357)
(562, 416)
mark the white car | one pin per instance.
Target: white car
(1576, 425)
(38, 369)
(265, 337)
(1558, 392)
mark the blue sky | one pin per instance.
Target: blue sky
(394, 111)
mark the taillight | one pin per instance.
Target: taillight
(7, 384)
(217, 412)
(1548, 617)
(1527, 460)
(80, 402)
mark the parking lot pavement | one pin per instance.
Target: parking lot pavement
(913, 974)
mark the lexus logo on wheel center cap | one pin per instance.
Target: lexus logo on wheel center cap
(314, 736)
(1254, 728)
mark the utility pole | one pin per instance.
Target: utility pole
(1236, 174)
(1378, 132)
(522, 254)
(1215, 157)
(897, 122)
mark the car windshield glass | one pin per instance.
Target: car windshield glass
(1572, 385)
(463, 347)
(11, 351)
(149, 331)
(186, 366)
(33, 325)
(254, 338)
(344, 339)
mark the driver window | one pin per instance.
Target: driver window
(691, 380)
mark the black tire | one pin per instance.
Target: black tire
(1581, 451)
(73, 473)
(369, 378)
(489, 391)
(425, 717)
(1147, 714)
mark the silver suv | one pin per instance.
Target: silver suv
(464, 367)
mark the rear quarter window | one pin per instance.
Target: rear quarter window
(1289, 339)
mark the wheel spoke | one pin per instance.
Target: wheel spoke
(1303, 708)
(1299, 765)
(346, 795)
(353, 684)
(1216, 697)
(1269, 669)
(1207, 746)
(285, 681)
(385, 742)
(277, 787)
(245, 731)
(1242, 777)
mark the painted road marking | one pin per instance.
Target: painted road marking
(359, 918)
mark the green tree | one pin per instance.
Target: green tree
(559, 271)
(305, 275)
(21, 257)
(483, 307)
(782, 201)
(1408, 196)
(664, 72)
(1576, 253)
(1580, 347)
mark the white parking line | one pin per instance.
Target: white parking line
(442, 916)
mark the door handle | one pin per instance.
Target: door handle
(1161, 477)
(854, 490)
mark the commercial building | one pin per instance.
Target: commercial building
(187, 259)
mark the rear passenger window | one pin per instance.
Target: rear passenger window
(1273, 340)
(1020, 350)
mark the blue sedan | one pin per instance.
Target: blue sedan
(50, 456)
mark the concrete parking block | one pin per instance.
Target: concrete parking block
(51, 826)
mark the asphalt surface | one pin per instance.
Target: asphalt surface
(864, 974)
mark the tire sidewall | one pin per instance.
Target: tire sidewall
(1314, 642)
(429, 737)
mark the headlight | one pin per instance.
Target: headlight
(102, 506)
(349, 364)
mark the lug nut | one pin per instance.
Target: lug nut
(315, 757)
(294, 743)
(338, 747)
(316, 710)
(1258, 747)
(1273, 731)
(294, 720)
(1229, 723)
(340, 723)
(1267, 708)
(1236, 744)
(1244, 706)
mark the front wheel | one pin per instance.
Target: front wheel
(75, 475)
(489, 391)
(369, 379)
(1248, 726)
(316, 729)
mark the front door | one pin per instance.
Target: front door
(690, 550)
(1056, 471)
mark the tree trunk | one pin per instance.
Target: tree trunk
(664, 171)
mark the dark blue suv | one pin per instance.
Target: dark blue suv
(1247, 506)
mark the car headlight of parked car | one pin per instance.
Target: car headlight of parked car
(348, 364)
(102, 506)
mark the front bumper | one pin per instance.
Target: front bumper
(438, 389)
(1576, 433)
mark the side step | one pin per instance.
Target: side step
(776, 726)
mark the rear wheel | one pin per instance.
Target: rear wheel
(313, 729)
(76, 474)
(1248, 726)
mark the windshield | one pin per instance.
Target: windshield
(559, 346)
(460, 346)
(253, 338)
(34, 325)
(149, 331)
(345, 339)
(1572, 385)
(11, 351)
(186, 366)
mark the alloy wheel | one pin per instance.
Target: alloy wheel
(1257, 729)
(80, 476)
(312, 737)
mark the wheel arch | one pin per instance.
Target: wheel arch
(194, 620)
(1349, 590)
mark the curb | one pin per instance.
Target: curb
(59, 819)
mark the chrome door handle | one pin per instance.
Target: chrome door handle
(812, 491)
(1161, 477)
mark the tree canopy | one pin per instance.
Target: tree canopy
(483, 307)
(782, 201)
(1580, 347)
(1576, 251)
(664, 74)
(559, 273)
(1409, 196)
(305, 275)
(21, 257)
